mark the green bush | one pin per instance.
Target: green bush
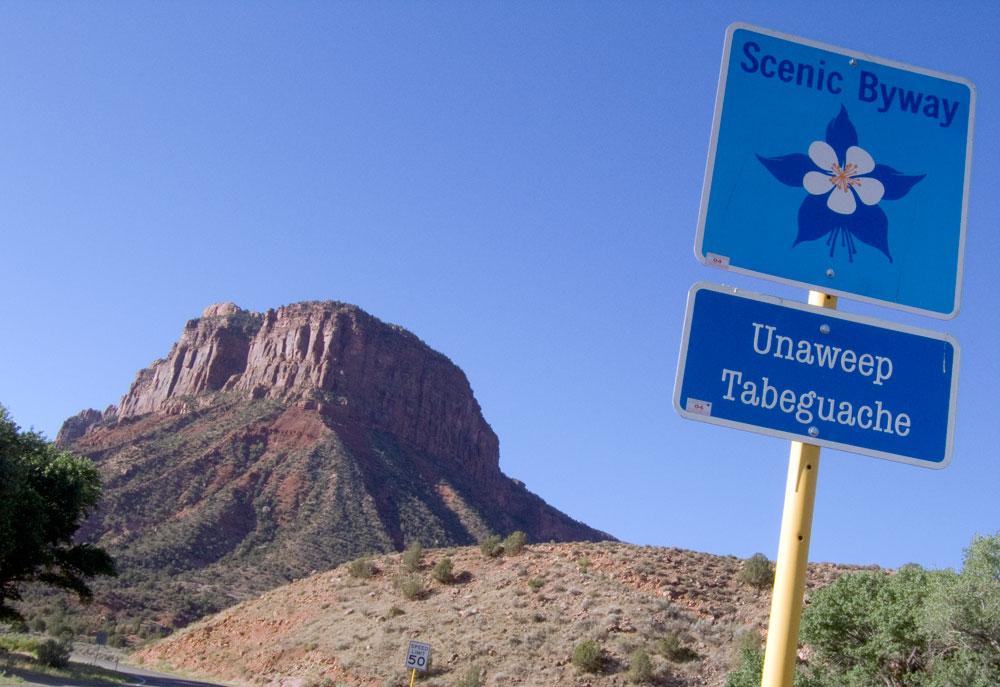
(491, 546)
(640, 668)
(18, 643)
(584, 564)
(672, 648)
(53, 653)
(514, 543)
(362, 568)
(536, 583)
(757, 572)
(750, 666)
(913, 628)
(473, 677)
(443, 571)
(411, 587)
(394, 612)
(588, 657)
(412, 556)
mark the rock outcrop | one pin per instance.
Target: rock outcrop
(268, 445)
(335, 355)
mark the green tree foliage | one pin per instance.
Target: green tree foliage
(867, 627)
(913, 628)
(962, 615)
(45, 494)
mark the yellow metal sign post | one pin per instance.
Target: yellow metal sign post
(793, 553)
(413, 677)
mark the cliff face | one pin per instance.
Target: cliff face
(337, 357)
(268, 445)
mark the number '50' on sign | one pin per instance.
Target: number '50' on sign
(418, 656)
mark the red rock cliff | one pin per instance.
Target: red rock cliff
(331, 355)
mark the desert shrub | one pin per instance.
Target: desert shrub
(536, 583)
(443, 571)
(640, 667)
(362, 568)
(63, 632)
(584, 564)
(53, 653)
(411, 587)
(514, 543)
(672, 648)
(757, 572)
(750, 666)
(491, 546)
(412, 556)
(18, 643)
(38, 624)
(394, 612)
(913, 628)
(588, 656)
(473, 677)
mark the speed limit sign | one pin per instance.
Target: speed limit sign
(418, 656)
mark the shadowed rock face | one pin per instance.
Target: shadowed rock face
(268, 445)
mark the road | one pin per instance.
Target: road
(139, 677)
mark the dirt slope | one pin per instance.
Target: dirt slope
(517, 618)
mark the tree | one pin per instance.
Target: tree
(963, 617)
(913, 628)
(45, 494)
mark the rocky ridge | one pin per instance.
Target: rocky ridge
(266, 446)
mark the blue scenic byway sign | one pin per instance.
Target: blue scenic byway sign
(820, 376)
(838, 171)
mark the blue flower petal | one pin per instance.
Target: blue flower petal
(841, 135)
(895, 182)
(815, 219)
(788, 169)
(870, 225)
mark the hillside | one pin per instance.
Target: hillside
(517, 618)
(266, 446)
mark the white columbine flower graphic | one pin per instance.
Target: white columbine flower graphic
(842, 183)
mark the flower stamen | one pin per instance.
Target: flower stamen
(842, 176)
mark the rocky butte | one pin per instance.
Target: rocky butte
(266, 446)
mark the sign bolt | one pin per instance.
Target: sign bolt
(824, 329)
(830, 273)
(813, 432)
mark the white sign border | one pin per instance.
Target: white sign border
(424, 649)
(804, 437)
(705, 259)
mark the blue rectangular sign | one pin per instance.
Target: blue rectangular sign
(838, 171)
(820, 376)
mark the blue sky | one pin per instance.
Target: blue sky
(517, 183)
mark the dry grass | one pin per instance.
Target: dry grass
(516, 619)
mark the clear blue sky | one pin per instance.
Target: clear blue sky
(517, 183)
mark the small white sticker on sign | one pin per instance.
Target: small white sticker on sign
(716, 260)
(697, 407)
